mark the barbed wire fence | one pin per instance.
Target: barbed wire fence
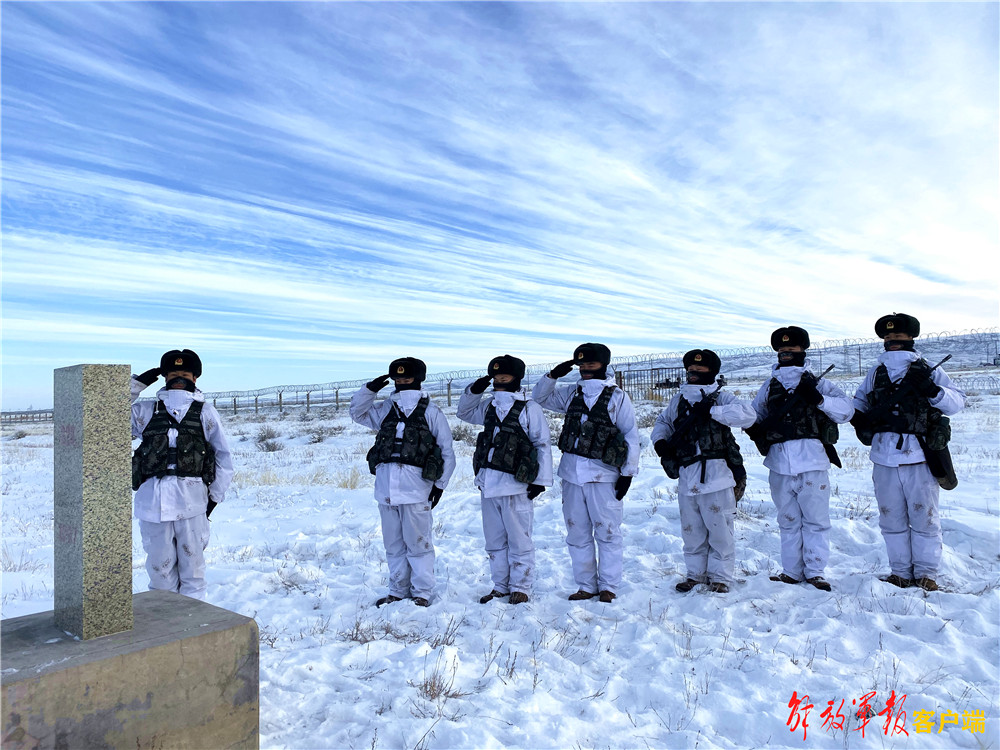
(644, 376)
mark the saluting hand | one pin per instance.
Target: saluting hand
(561, 370)
(377, 384)
(149, 377)
(480, 385)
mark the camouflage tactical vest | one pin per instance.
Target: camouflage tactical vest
(913, 415)
(417, 446)
(598, 437)
(193, 455)
(802, 421)
(715, 439)
(513, 452)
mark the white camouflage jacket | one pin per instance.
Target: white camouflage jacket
(577, 469)
(395, 483)
(472, 408)
(797, 456)
(729, 411)
(173, 498)
(950, 400)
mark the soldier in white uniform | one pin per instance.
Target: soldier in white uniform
(796, 428)
(513, 464)
(901, 411)
(694, 440)
(180, 472)
(412, 461)
(600, 455)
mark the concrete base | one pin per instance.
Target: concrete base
(186, 676)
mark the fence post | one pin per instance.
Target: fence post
(449, 393)
(281, 405)
(307, 402)
(255, 407)
(336, 399)
(215, 403)
(234, 404)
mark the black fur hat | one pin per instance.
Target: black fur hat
(897, 323)
(178, 360)
(408, 367)
(705, 358)
(790, 336)
(592, 353)
(506, 365)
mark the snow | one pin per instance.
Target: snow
(297, 546)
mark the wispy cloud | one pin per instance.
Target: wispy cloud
(308, 189)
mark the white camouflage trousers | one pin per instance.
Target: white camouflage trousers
(409, 549)
(908, 517)
(507, 523)
(803, 505)
(707, 531)
(175, 554)
(593, 514)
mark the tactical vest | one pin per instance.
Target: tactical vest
(513, 452)
(913, 415)
(598, 437)
(715, 439)
(801, 422)
(417, 447)
(193, 455)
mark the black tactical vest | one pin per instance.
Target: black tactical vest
(715, 439)
(417, 446)
(598, 437)
(513, 452)
(802, 421)
(192, 457)
(913, 415)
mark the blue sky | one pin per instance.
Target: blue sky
(302, 192)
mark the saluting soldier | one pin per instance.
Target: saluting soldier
(600, 455)
(513, 465)
(796, 429)
(901, 411)
(695, 442)
(180, 472)
(412, 461)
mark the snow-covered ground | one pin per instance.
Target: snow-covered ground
(297, 546)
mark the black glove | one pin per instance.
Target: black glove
(534, 490)
(377, 384)
(703, 408)
(210, 508)
(435, 496)
(807, 389)
(660, 448)
(480, 385)
(149, 377)
(622, 485)
(561, 369)
(920, 377)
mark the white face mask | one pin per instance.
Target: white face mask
(175, 399)
(407, 400)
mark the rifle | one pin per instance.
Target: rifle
(938, 459)
(758, 431)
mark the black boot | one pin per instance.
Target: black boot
(687, 585)
(494, 594)
(581, 595)
(518, 597)
(783, 578)
(819, 582)
(387, 600)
